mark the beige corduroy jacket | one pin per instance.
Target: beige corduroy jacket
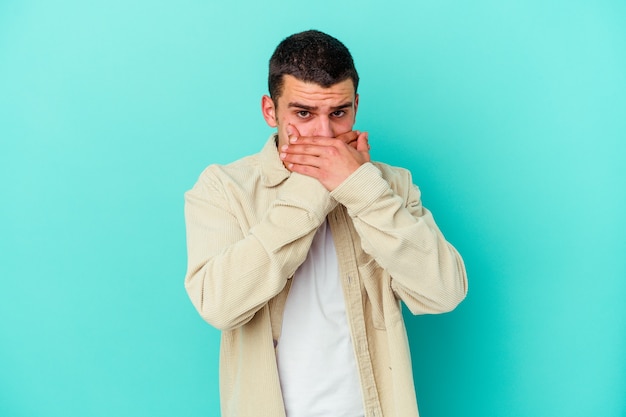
(249, 226)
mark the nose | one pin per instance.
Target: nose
(324, 128)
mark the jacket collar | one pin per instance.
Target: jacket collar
(272, 168)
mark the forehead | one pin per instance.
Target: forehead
(307, 93)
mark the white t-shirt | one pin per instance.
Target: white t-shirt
(316, 363)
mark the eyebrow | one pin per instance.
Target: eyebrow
(314, 108)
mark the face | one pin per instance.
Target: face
(312, 109)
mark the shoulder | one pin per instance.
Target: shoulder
(219, 177)
(264, 165)
(241, 168)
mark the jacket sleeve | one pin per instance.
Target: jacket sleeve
(427, 272)
(232, 272)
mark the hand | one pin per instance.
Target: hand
(329, 160)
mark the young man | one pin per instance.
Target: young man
(302, 252)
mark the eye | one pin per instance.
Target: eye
(338, 113)
(303, 114)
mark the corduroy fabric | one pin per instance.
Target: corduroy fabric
(250, 225)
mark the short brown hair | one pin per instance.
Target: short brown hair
(311, 56)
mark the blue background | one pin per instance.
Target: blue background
(510, 114)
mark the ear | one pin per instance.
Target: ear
(269, 111)
(356, 103)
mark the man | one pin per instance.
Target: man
(302, 253)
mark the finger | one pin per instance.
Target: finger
(349, 137)
(292, 133)
(346, 137)
(304, 147)
(362, 143)
(291, 160)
